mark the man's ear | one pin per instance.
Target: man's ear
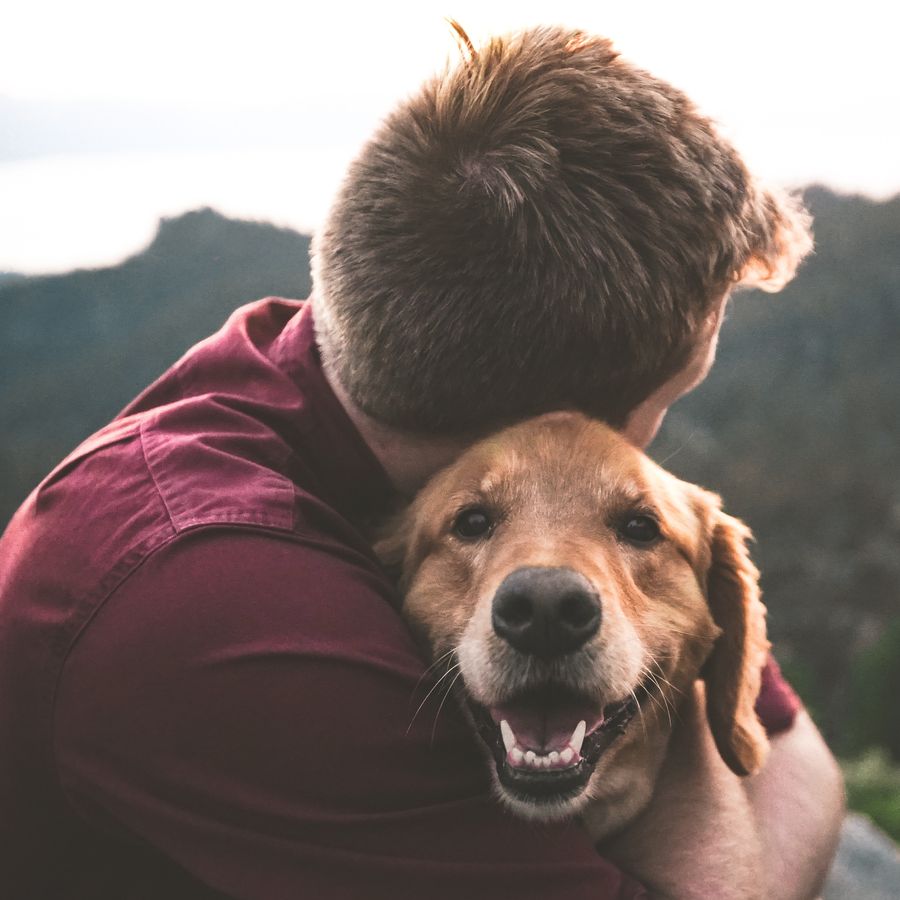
(734, 669)
(781, 237)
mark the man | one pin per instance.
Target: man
(206, 688)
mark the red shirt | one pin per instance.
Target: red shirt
(205, 686)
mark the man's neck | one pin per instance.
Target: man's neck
(408, 459)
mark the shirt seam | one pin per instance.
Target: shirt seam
(152, 474)
(94, 601)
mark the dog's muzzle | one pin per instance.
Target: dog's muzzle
(547, 741)
(546, 738)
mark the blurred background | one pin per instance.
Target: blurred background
(161, 164)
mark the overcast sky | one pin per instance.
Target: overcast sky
(115, 113)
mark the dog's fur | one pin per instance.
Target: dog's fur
(558, 489)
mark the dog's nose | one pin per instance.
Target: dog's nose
(546, 611)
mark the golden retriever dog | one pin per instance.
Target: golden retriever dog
(578, 590)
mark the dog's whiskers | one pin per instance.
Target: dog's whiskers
(655, 681)
(443, 701)
(434, 687)
(658, 702)
(640, 711)
(433, 666)
(675, 452)
(666, 629)
(660, 676)
(674, 690)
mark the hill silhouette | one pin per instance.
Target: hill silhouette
(798, 426)
(75, 348)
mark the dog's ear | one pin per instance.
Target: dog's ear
(733, 671)
(391, 544)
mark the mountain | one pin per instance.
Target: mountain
(798, 427)
(75, 348)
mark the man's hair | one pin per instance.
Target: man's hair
(542, 226)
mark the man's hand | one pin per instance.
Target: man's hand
(709, 834)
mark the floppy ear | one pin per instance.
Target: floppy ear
(734, 669)
(391, 544)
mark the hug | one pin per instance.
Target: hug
(219, 614)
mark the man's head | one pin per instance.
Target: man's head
(543, 226)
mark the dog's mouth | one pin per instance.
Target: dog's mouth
(546, 741)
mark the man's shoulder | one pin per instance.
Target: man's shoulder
(242, 431)
(266, 587)
(141, 481)
(146, 482)
(213, 464)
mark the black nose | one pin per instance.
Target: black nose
(546, 611)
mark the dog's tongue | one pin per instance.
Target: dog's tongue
(544, 723)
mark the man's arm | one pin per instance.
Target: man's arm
(708, 833)
(798, 802)
(244, 705)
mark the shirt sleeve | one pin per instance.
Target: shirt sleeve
(247, 705)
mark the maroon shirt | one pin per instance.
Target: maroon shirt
(205, 687)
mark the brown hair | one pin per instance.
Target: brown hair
(542, 226)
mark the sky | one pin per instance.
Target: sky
(114, 114)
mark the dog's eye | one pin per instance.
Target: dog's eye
(640, 529)
(472, 523)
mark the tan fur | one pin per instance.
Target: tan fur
(557, 486)
(733, 670)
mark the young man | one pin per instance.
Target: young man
(206, 688)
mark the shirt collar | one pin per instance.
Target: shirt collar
(332, 447)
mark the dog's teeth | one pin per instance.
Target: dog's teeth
(516, 756)
(530, 760)
(509, 739)
(577, 738)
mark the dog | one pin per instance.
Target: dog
(579, 587)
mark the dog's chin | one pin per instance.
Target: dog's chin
(545, 744)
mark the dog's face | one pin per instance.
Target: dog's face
(578, 586)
